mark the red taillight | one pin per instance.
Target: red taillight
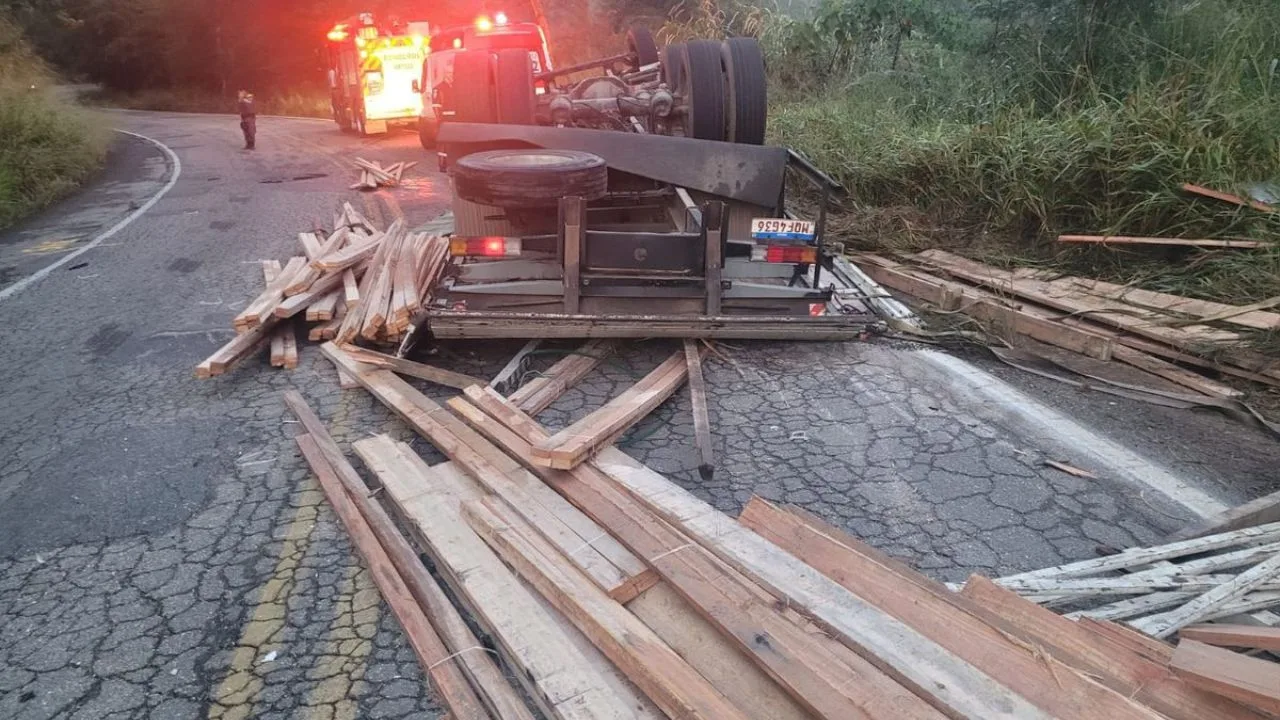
(484, 247)
(789, 254)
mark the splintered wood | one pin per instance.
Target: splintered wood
(354, 283)
(374, 176)
(608, 591)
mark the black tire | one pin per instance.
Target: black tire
(747, 104)
(473, 85)
(673, 66)
(640, 42)
(513, 84)
(704, 90)
(529, 178)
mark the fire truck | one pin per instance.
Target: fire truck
(373, 68)
(458, 92)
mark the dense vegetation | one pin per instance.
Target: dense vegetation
(47, 145)
(995, 124)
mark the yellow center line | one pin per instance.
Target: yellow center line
(341, 668)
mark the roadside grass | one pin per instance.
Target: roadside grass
(299, 104)
(48, 145)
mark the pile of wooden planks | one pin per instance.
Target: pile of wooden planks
(610, 592)
(1155, 332)
(355, 284)
(374, 176)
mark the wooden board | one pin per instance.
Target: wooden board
(1202, 606)
(539, 393)
(1111, 664)
(318, 291)
(349, 256)
(1227, 197)
(1200, 339)
(240, 347)
(803, 663)
(700, 643)
(350, 289)
(675, 687)
(480, 325)
(565, 682)
(593, 549)
(1263, 510)
(496, 693)
(1168, 242)
(323, 309)
(1238, 636)
(446, 678)
(1247, 680)
(701, 417)
(1191, 307)
(573, 445)
(1054, 687)
(440, 376)
(1130, 639)
(262, 307)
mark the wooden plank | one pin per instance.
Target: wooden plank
(538, 394)
(675, 687)
(806, 665)
(298, 303)
(1228, 197)
(935, 291)
(496, 692)
(1110, 664)
(277, 347)
(1052, 686)
(350, 290)
(310, 243)
(377, 301)
(440, 376)
(593, 549)
(1262, 511)
(1146, 555)
(355, 317)
(573, 224)
(573, 445)
(323, 309)
(1172, 373)
(1167, 624)
(701, 417)
(329, 329)
(1047, 331)
(701, 644)
(1193, 307)
(1130, 639)
(566, 683)
(434, 657)
(450, 324)
(261, 307)
(1247, 680)
(290, 348)
(1237, 636)
(240, 347)
(1148, 324)
(1170, 242)
(350, 256)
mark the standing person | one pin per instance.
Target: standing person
(248, 119)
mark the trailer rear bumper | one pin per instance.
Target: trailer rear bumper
(487, 325)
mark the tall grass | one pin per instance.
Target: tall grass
(298, 104)
(48, 145)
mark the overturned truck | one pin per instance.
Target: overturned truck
(637, 202)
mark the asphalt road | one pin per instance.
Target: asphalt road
(164, 552)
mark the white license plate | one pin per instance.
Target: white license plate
(782, 229)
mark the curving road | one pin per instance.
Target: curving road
(164, 552)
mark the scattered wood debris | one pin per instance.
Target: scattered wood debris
(356, 284)
(1227, 197)
(374, 176)
(1169, 242)
(609, 591)
(1155, 332)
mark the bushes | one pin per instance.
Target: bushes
(301, 104)
(48, 146)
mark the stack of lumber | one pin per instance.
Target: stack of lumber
(608, 591)
(356, 283)
(374, 176)
(1156, 332)
(1164, 588)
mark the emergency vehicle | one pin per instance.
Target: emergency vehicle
(373, 69)
(451, 96)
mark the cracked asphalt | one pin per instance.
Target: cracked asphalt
(164, 552)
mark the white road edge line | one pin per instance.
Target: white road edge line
(1100, 451)
(44, 272)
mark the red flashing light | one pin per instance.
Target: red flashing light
(484, 24)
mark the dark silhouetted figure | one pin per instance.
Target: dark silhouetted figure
(248, 119)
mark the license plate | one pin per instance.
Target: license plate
(782, 229)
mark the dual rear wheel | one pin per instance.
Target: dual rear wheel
(723, 86)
